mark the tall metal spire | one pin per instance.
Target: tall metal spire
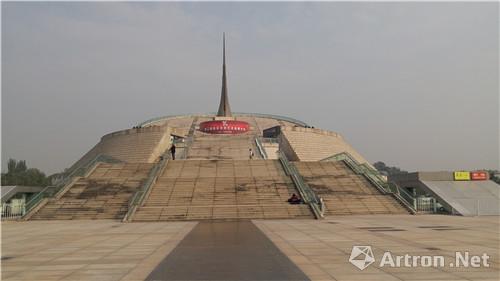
(224, 109)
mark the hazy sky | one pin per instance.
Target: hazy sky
(411, 84)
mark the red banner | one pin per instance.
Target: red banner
(224, 127)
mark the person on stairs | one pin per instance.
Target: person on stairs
(294, 199)
(250, 152)
(172, 151)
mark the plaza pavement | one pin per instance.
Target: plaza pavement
(110, 250)
(86, 250)
(321, 249)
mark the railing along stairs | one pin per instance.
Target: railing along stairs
(306, 193)
(261, 149)
(140, 196)
(188, 141)
(374, 177)
(421, 204)
(53, 191)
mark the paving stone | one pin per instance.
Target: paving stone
(121, 252)
(313, 241)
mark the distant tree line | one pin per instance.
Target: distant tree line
(18, 173)
(388, 170)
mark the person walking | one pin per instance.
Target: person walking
(250, 154)
(172, 151)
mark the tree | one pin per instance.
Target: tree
(19, 174)
(11, 166)
(390, 171)
(21, 167)
(33, 176)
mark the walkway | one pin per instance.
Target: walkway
(226, 251)
(97, 250)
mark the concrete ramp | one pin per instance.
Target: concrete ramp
(469, 198)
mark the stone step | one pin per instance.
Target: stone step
(345, 192)
(104, 198)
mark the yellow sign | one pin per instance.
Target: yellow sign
(461, 176)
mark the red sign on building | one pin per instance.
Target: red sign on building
(479, 176)
(224, 127)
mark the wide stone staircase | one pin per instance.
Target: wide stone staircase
(222, 147)
(221, 189)
(345, 192)
(104, 194)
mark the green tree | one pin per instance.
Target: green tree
(382, 167)
(19, 174)
(11, 166)
(21, 167)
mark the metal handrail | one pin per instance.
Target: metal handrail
(306, 193)
(84, 169)
(138, 199)
(363, 169)
(412, 200)
(190, 138)
(36, 199)
(211, 114)
(403, 194)
(395, 188)
(374, 177)
(269, 140)
(51, 191)
(152, 176)
(261, 149)
(147, 183)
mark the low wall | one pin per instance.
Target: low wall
(138, 145)
(310, 144)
